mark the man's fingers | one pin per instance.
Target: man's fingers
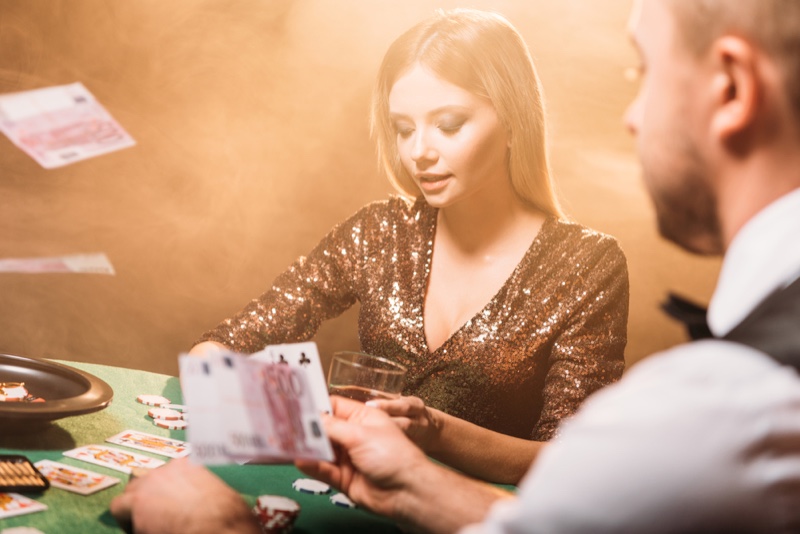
(345, 408)
(324, 471)
(120, 507)
(343, 432)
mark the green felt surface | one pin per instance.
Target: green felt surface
(72, 513)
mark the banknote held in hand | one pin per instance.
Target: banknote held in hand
(261, 408)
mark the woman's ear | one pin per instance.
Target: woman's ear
(736, 87)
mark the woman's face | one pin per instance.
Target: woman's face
(449, 140)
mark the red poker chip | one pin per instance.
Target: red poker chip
(276, 514)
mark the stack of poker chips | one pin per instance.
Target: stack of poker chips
(276, 514)
(17, 473)
(16, 392)
(164, 413)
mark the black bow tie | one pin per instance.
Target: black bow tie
(692, 315)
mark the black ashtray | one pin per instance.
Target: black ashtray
(63, 391)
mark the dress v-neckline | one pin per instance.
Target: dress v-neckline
(430, 239)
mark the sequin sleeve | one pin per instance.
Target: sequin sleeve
(589, 353)
(314, 288)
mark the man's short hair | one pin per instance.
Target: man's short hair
(773, 25)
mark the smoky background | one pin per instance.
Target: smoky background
(251, 123)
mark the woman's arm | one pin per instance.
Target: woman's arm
(470, 448)
(588, 353)
(316, 287)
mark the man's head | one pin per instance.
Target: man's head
(717, 110)
(772, 25)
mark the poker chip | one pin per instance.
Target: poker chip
(340, 499)
(170, 424)
(13, 391)
(153, 400)
(276, 514)
(309, 485)
(165, 413)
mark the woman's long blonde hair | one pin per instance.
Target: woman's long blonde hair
(484, 54)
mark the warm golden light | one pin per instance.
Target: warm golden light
(251, 123)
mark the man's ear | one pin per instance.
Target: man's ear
(736, 87)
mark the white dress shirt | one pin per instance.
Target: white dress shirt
(704, 437)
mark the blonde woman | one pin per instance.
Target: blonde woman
(506, 314)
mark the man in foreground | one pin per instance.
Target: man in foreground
(702, 438)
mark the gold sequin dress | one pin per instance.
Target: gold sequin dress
(554, 333)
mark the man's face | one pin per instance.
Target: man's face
(667, 119)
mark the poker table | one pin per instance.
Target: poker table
(73, 513)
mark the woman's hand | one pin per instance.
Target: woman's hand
(422, 424)
(472, 449)
(207, 347)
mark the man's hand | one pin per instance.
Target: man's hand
(375, 461)
(379, 468)
(182, 497)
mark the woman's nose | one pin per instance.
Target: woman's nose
(422, 149)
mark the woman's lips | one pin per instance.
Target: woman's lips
(433, 183)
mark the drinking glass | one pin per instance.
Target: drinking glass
(363, 377)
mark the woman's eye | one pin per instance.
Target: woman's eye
(451, 127)
(403, 131)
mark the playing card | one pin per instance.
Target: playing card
(74, 479)
(173, 448)
(12, 504)
(303, 356)
(60, 125)
(112, 458)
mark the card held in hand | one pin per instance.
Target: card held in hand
(247, 409)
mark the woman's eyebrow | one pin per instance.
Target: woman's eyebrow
(432, 113)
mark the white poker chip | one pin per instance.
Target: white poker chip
(171, 425)
(309, 485)
(340, 499)
(165, 413)
(153, 400)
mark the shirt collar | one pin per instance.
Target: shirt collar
(763, 256)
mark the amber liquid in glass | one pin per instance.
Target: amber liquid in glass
(361, 394)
